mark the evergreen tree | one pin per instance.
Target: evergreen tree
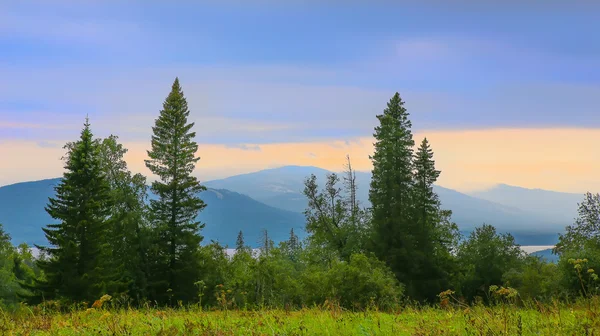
(293, 242)
(239, 244)
(293, 247)
(176, 231)
(394, 230)
(426, 200)
(128, 230)
(77, 260)
(432, 258)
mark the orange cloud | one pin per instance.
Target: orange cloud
(555, 159)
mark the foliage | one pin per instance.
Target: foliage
(585, 232)
(484, 259)
(17, 266)
(333, 220)
(535, 280)
(128, 230)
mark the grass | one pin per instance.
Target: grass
(506, 319)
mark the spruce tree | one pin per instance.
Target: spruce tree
(176, 230)
(76, 265)
(391, 191)
(426, 200)
(239, 244)
(293, 246)
(293, 242)
(430, 259)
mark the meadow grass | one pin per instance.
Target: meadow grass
(579, 318)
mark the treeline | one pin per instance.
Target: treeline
(111, 238)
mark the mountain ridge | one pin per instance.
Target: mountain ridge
(272, 198)
(227, 213)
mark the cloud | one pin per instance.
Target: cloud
(244, 147)
(264, 109)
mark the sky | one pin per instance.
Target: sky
(506, 91)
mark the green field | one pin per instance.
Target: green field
(532, 319)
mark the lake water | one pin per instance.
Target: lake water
(536, 248)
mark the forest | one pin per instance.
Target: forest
(113, 245)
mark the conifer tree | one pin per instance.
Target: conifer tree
(431, 257)
(293, 246)
(176, 230)
(427, 202)
(293, 242)
(76, 263)
(391, 191)
(239, 244)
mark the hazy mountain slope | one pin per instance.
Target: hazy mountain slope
(22, 214)
(22, 209)
(281, 187)
(558, 205)
(265, 184)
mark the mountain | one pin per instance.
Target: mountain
(278, 187)
(549, 204)
(22, 209)
(22, 214)
(273, 199)
(282, 187)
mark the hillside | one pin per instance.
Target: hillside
(282, 187)
(22, 214)
(551, 204)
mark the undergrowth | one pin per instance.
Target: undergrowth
(503, 317)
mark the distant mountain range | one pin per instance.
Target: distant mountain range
(22, 215)
(534, 216)
(272, 199)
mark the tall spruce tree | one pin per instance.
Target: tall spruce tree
(176, 230)
(391, 192)
(76, 265)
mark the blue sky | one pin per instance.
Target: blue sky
(264, 72)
